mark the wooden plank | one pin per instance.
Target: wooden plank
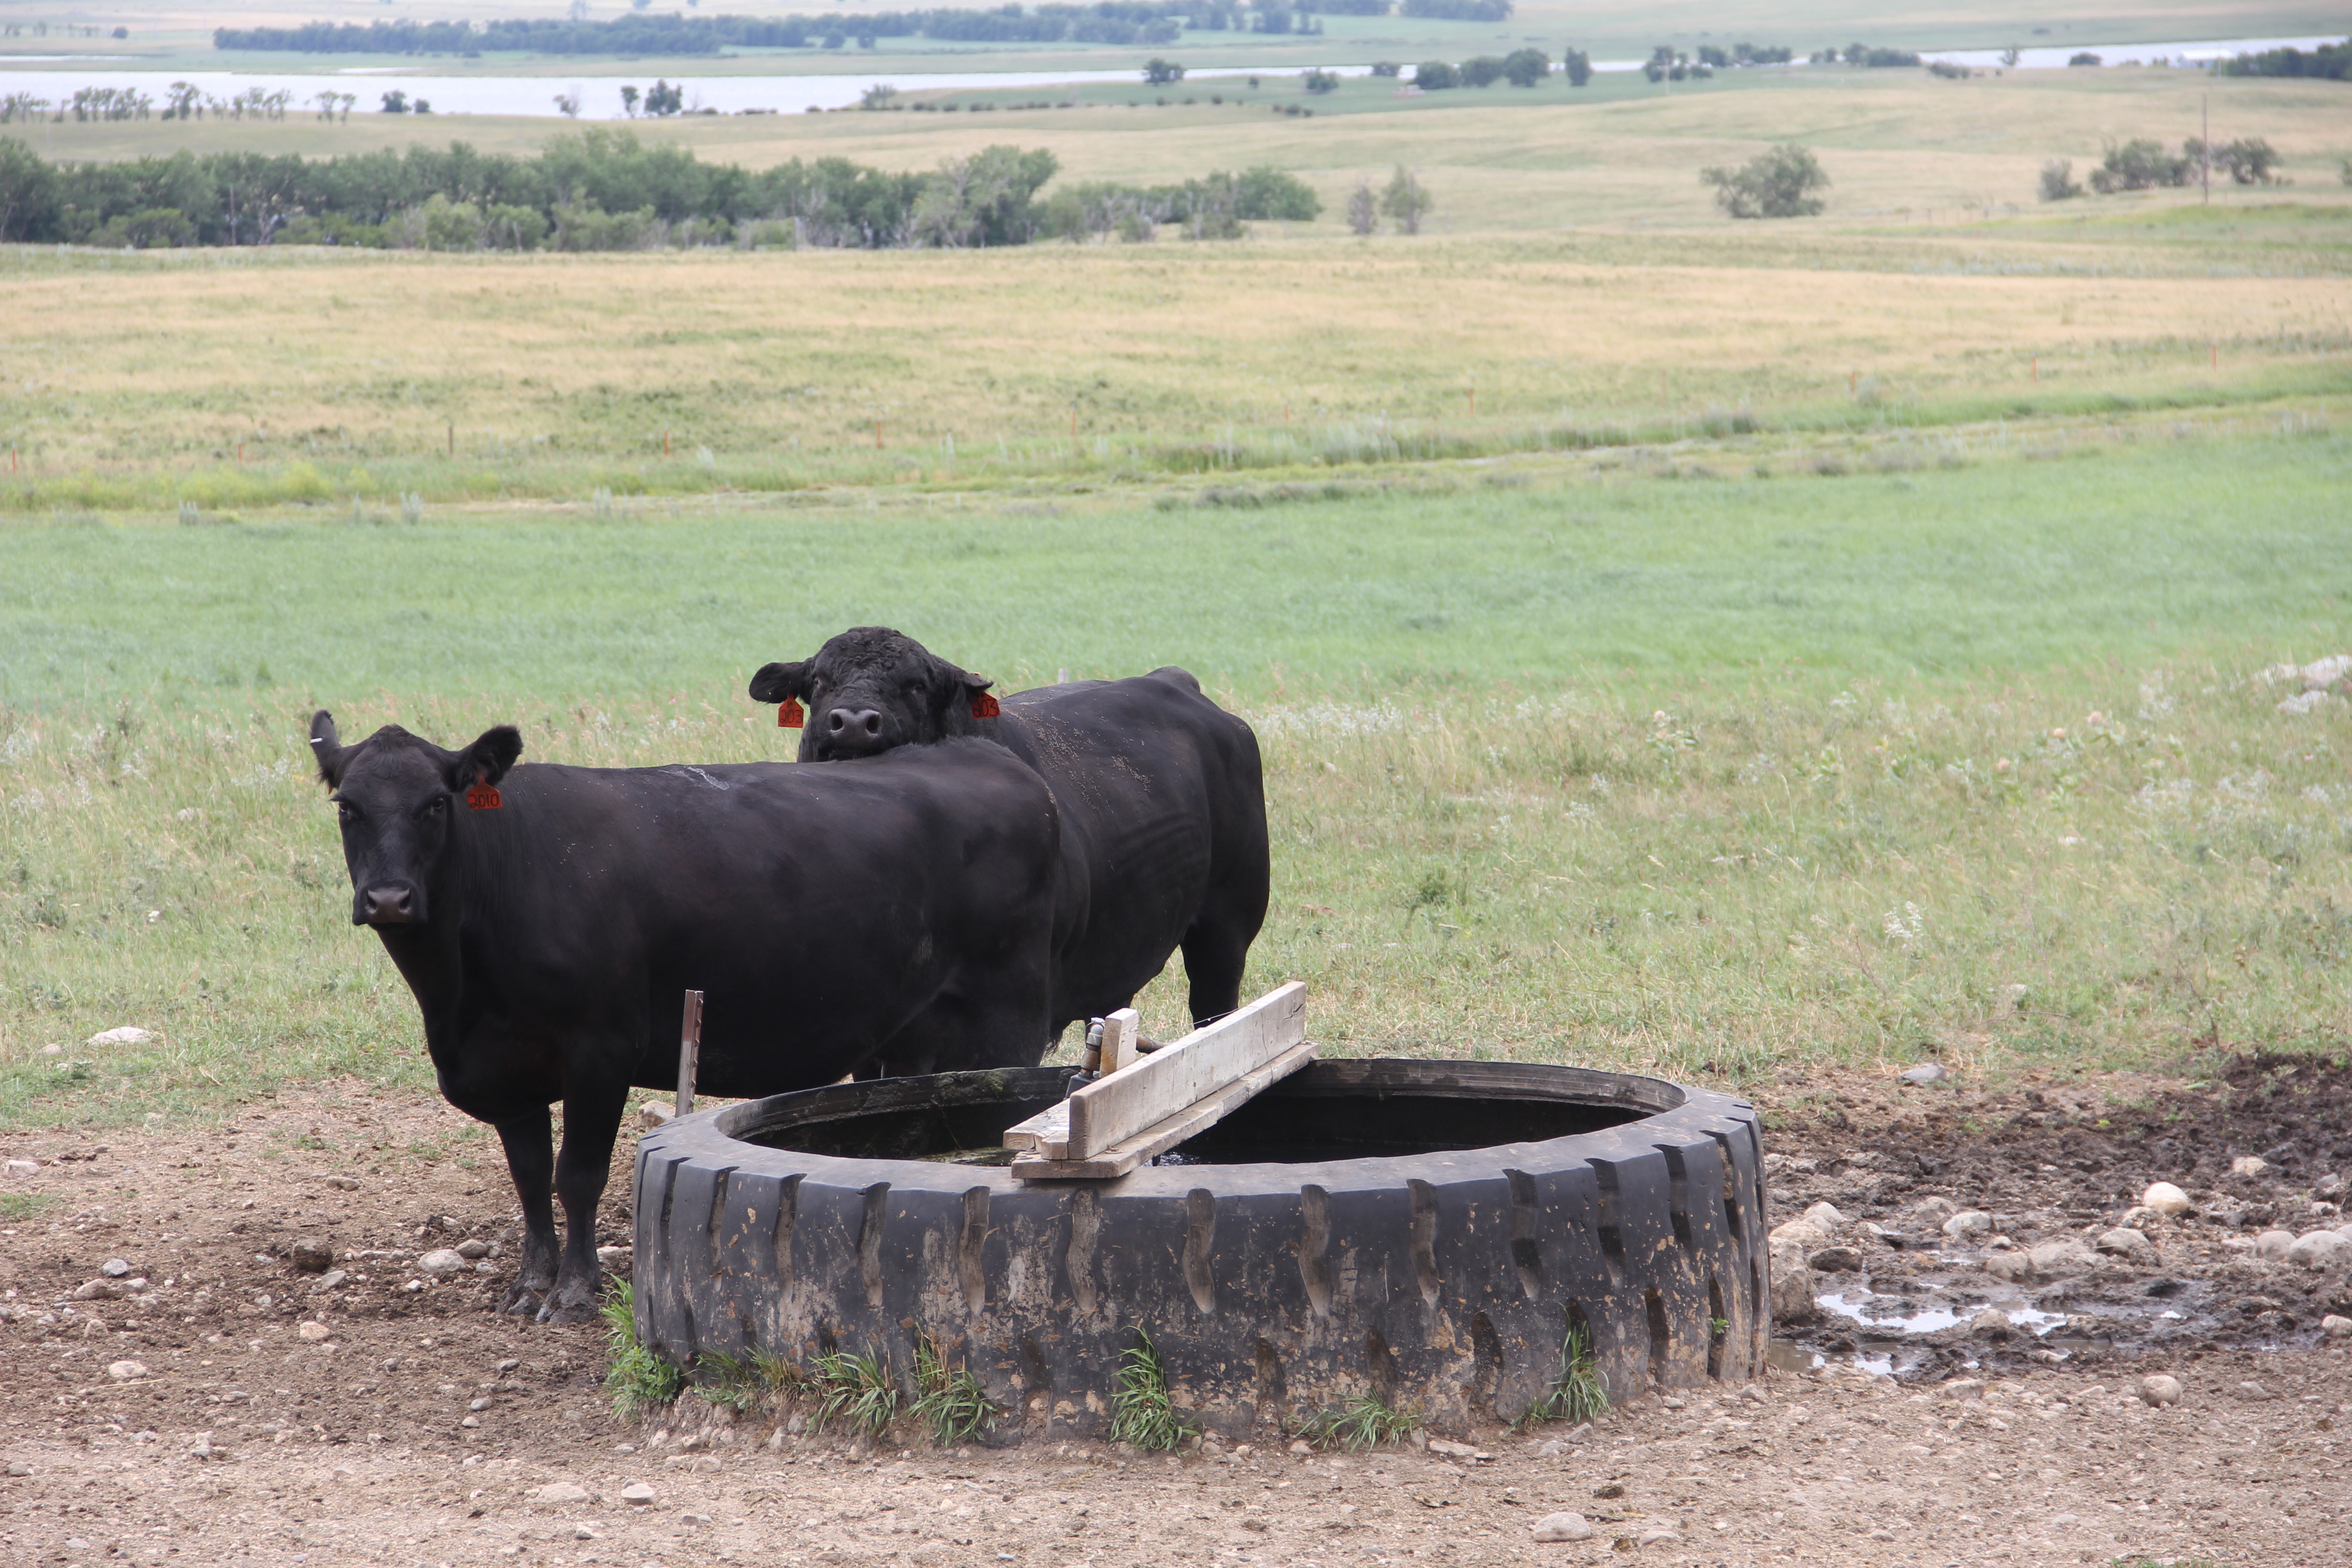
(689, 1051)
(1153, 1089)
(1162, 1136)
(1053, 1121)
(1120, 1030)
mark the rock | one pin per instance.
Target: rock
(1935, 1211)
(585, 1533)
(344, 1183)
(1827, 1217)
(114, 1269)
(313, 1331)
(330, 1278)
(2166, 1199)
(653, 1113)
(1455, 1450)
(1964, 1388)
(470, 1421)
(1793, 1281)
(2140, 1217)
(636, 1494)
(19, 1467)
(98, 1290)
(21, 1167)
(2336, 1328)
(1836, 1260)
(1562, 1527)
(129, 1034)
(2016, 1267)
(472, 1249)
(1969, 1223)
(1992, 1321)
(2331, 1186)
(562, 1492)
(2248, 1165)
(2160, 1389)
(1925, 1073)
(2275, 1244)
(2253, 1391)
(2131, 1245)
(441, 1260)
(478, 1405)
(127, 1371)
(1659, 1536)
(2320, 1249)
(2066, 1255)
(311, 1255)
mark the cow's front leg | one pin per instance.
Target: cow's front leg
(529, 1140)
(592, 1120)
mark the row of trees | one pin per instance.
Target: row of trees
(600, 189)
(1113, 22)
(2141, 165)
(2331, 61)
(183, 101)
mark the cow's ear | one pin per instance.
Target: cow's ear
(778, 682)
(974, 684)
(488, 759)
(327, 748)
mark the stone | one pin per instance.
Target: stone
(1992, 1322)
(636, 1494)
(472, 1247)
(478, 1405)
(1658, 1536)
(562, 1492)
(2016, 1267)
(313, 1331)
(2275, 1244)
(441, 1260)
(2335, 1327)
(1793, 1281)
(19, 1467)
(114, 1269)
(2139, 1216)
(1827, 1217)
(98, 1290)
(2166, 1199)
(2331, 1186)
(21, 1167)
(2254, 1391)
(330, 1278)
(1925, 1073)
(1562, 1526)
(2320, 1249)
(470, 1421)
(2160, 1389)
(2066, 1255)
(1967, 1222)
(1455, 1450)
(128, 1035)
(127, 1371)
(311, 1255)
(653, 1113)
(344, 1183)
(2248, 1165)
(2131, 1245)
(612, 1257)
(1836, 1260)
(585, 1533)
(1935, 1211)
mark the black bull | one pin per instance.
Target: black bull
(903, 905)
(1161, 797)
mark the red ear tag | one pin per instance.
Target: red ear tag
(789, 714)
(483, 796)
(983, 705)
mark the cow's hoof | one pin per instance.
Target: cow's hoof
(522, 1301)
(558, 1310)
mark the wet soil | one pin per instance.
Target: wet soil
(275, 1417)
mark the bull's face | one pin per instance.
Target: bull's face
(871, 688)
(396, 796)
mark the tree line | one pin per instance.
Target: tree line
(600, 189)
(1114, 22)
(2331, 61)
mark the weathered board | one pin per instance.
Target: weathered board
(1118, 1105)
(1161, 1136)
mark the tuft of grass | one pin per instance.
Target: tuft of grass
(860, 1390)
(1577, 1393)
(949, 1400)
(638, 1381)
(1143, 1412)
(24, 1206)
(739, 1383)
(1359, 1422)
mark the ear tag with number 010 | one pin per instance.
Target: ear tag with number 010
(483, 796)
(790, 714)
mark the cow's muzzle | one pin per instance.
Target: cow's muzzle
(388, 904)
(854, 732)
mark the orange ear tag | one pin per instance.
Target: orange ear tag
(790, 714)
(483, 796)
(983, 705)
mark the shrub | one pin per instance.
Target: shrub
(1779, 182)
(1363, 208)
(2250, 161)
(1525, 68)
(1387, 67)
(1158, 72)
(1577, 65)
(1484, 70)
(2140, 165)
(1432, 76)
(2058, 182)
(2085, 59)
(156, 228)
(1406, 200)
(1320, 80)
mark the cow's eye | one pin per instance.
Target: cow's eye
(347, 811)
(436, 806)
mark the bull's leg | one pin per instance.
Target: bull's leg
(1216, 949)
(530, 1141)
(591, 1120)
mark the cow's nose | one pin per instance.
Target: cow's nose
(854, 724)
(387, 906)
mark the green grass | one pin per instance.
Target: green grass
(1714, 777)
(860, 1390)
(1143, 1411)
(950, 1402)
(1359, 1422)
(1577, 1391)
(637, 1381)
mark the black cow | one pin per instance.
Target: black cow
(550, 919)
(1162, 803)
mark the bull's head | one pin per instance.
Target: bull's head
(396, 796)
(871, 688)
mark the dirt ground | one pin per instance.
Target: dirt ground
(278, 1416)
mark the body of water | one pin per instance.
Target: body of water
(599, 98)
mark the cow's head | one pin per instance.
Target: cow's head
(871, 688)
(396, 796)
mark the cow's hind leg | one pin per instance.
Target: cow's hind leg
(529, 1143)
(591, 1120)
(1216, 951)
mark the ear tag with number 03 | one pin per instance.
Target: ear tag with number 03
(790, 714)
(483, 796)
(983, 705)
